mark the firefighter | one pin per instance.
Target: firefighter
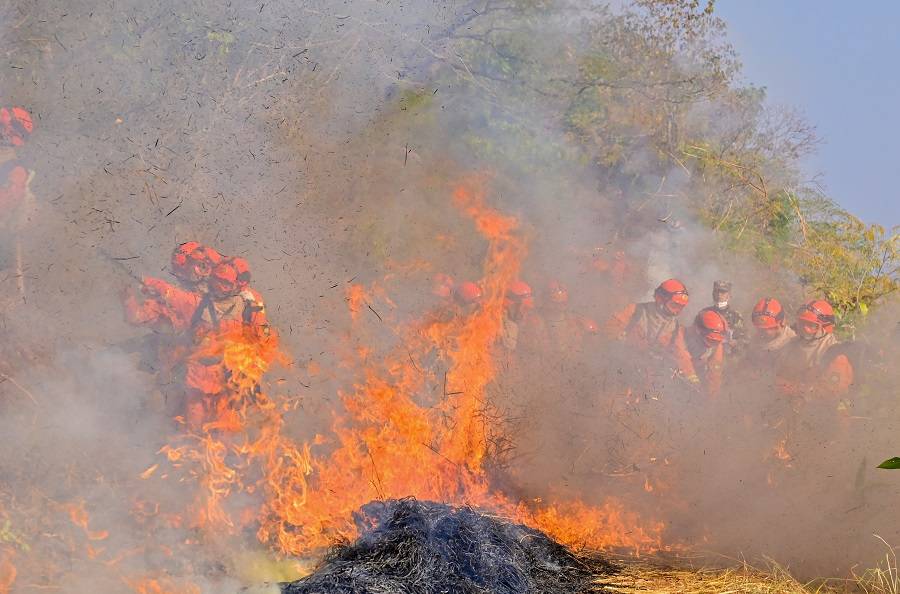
(705, 342)
(219, 314)
(254, 311)
(17, 203)
(737, 332)
(815, 362)
(772, 331)
(16, 126)
(560, 327)
(519, 300)
(468, 296)
(653, 326)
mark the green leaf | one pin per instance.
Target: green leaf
(891, 464)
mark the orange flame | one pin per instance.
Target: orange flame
(391, 446)
(149, 585)
(395, 438)
(79, 516)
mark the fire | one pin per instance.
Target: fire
(391, 445)
(412, 425)
(80, 518)
(150, 585)
(609, 526)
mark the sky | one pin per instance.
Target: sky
(838, 63)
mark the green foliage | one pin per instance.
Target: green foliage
(656, 81)
(890, 464)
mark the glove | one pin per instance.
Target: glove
(692, 379)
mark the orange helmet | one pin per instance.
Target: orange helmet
(182, 258)
(815, 319)
(193, 262)
(768, 314)
(557, 292)
(242, 268)
(519, 295)
(468, 292)
(15, 126)
(671, 295)
(711, 326)
(442, 285)
(224, 279)
(519, 290)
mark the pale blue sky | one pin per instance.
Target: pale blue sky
(839, 63)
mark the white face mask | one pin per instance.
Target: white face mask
(722, 304)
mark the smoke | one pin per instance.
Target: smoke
(318, 142)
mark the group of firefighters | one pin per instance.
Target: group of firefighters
(193, 318)
(805, 359)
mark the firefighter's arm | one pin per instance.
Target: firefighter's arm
(683, 357)
(615, 326)
(141, 313)
(154, 286)
(838, 376)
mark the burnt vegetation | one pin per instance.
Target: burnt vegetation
(425, 547)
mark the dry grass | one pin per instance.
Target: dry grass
(884, 578)
(743, 579)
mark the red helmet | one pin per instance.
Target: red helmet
(711, 326)
(671, 295)
(519, 290)
(182, 258)
(224, 279)
(242, 268)
(768, 314)
(193, 262)
(815, 318)
(557, 292)
(442, 285)
(15, 126)
(468, 292)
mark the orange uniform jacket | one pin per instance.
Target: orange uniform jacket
(814, 366)
(707, 361)
(13, 186)
(642, 325)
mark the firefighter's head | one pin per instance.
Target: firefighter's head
(242, 269)
(768, 317)
(815, 319)
(468, 293)
(223, 281)
(671, 296)
(15, 126)
(442, 285)
(721, 294)
(193, 262)
(711, 327)
(519, 298)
